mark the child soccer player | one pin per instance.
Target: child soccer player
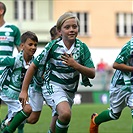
(7, 42)
(12, 78)
(68, 58)
(121, 89)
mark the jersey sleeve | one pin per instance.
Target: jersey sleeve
(124, 54)
(17, 35)
(87, 60)
(42, 58)
(7, 61)
(38, 59)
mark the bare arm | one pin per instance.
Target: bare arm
(69, 60)
(89, 72)
(123, 67)
(28, 77)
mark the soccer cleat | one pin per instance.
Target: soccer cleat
(93, 126)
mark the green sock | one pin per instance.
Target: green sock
(103, 117)
(49, 131)
(6, 130)
(21, 128)
(61, 127)
(132, 119)
(17, 120)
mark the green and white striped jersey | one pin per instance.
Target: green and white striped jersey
(125, 58)
(12, 77)
(63, 75)
(9, 36)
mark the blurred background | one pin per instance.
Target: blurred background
(105, 26)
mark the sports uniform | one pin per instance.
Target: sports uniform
(63, 79)
(9, 36)
(12, 79)
(68, 57)
(11, 82)
(121, 88)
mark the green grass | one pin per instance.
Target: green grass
(80, 120)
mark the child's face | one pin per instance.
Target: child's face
(69, 30)
(30, 47)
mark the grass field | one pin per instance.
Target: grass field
(80, 120)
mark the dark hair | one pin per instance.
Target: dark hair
(53, 31)
(30, 35)
(2, 6)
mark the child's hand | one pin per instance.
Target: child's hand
(68, 60)
(23, 96)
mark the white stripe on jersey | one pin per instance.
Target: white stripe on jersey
(65, 75)
(64, 48)
(70, 87)
(6, 29)
(5, 48)
(2, 68)
(58, 63)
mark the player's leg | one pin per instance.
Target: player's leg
(132, 118)
(53, 123)
(14, 106)
(117, 104)
(130, 104)
(105, 116)
(63, 101)
(50, 103)
(36, 102)
(60, 102)
(64, 116)
(21, 128)
(53, 120)
(5, 122)
(18, 119)
(34, 117)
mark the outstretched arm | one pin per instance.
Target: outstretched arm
(28, 77)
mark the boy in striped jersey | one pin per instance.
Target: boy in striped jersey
(121, 89)
(9, 35)
(12, 78)
(68, 58)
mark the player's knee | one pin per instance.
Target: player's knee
(27, 109)
(66, 116)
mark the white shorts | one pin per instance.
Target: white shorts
(61, 95)
(35, 100)
(48, 99)
(119, 99)
(14, 106)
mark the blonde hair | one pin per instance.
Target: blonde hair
(64, 17)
